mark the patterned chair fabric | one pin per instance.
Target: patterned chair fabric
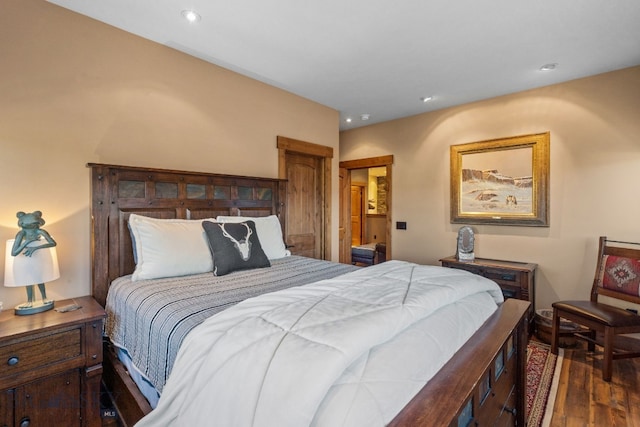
(620, 274)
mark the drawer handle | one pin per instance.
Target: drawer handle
(508, 293)
(509, 277)
(13, 361)
(25, 422)
(512, 411)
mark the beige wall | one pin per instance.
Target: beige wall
(595, 176)
(74, 91)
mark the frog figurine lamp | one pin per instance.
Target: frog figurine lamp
(30, 260)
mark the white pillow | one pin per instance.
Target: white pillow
(269, 233)
(168, 247)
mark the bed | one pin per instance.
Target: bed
(483, 381)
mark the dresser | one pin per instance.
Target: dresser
(51, 366)
(516, 279)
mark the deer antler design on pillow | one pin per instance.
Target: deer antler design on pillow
(244, 245)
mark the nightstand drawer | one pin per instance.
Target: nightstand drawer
(501, 275)
(510, 291)
(41, 350)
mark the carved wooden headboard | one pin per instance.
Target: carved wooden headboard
(118, 191)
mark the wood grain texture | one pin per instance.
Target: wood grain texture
(324, 156)
(369, 162)
(56, 366)
(305, 205)
(111, 249)
(584, 399)
(129, 402)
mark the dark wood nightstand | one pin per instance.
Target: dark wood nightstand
(516, 279)
(51, 366)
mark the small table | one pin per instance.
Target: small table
(52, 366)
(516, 279)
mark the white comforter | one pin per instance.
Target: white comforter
(347, 351)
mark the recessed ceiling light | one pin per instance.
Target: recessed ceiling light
(549, 67)
(426, 98)
(348, 120)
(364, 116)
(191, 15)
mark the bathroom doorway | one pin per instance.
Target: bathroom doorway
(365, 211)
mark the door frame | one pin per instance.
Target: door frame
(344, 250)
(372, 162)
(362, 186)
(325, 154)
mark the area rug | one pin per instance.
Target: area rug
(543, 372)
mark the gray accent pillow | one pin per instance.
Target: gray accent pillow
(234, 246)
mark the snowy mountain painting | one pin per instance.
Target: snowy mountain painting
(497, 182)
(489, 191)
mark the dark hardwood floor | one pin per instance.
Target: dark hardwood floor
(584, 399)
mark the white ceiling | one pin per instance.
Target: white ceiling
(379, 57)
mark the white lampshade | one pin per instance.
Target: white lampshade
(22, 270)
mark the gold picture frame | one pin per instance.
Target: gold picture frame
(501, 181)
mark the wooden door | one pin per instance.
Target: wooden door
(357, 215)
(344, 230)
(304, 205)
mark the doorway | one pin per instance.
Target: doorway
(373, 176)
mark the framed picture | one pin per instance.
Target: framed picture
(501, 181)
